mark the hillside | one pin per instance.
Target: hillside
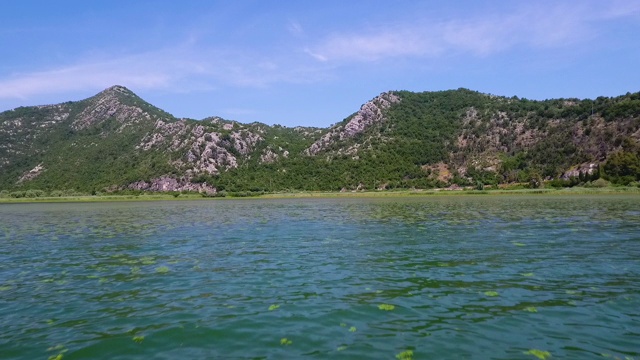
(116, 141)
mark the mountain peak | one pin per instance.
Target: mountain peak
(115, 102)
(117, 89)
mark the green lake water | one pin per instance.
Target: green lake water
(506, 277)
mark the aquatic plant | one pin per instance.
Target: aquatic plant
(540, 354)
(5, 287)
(285, 341)
(273, 307)
(531, 309)
(162, 270)
(61, 350)
(615, 357)
(138, 339)
(405, 355)
(352, 329)
(518, 243)
(343, 324)
(527, 274)
(342, 347)
(491, 293)
(386, 307)
(147, 260)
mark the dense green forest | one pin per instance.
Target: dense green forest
(116, 142)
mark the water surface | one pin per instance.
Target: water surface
(466, 277)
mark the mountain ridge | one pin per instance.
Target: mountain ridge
(115, 141)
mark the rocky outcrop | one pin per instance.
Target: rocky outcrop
(584, 169)
(502, 134)
(32, 174)
(205, 148)
(270, 155)
(212, 152)
(109, 104)
(370, 113)
(25, 125)
(166, 183)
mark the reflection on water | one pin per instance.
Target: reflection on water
(454, 277)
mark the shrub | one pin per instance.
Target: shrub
(34, 193)
(17, 194)
(600, 183)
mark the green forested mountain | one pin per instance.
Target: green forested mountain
(116, 141)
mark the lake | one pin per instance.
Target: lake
(432, 277)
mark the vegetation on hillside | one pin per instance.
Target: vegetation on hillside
(433, 139)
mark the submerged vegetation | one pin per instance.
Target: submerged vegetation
(402, 271)
(540, 354)
(162, 270)
(405, 355)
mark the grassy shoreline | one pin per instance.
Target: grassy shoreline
(327, 194)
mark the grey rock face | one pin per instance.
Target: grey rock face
(166, 183)
(588, 168)
(32, 174)
(108, 105)
(201, 150)
(21, 131)
(370, 113)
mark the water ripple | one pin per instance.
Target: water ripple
(477, 277)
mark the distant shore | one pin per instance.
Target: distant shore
(328, 194)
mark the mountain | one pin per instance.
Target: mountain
(116, 141)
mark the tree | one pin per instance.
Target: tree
(622, 167)
(535, 180)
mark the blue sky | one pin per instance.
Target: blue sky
(312, 63)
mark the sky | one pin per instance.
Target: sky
(312, 63)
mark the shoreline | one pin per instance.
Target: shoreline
(329, 195)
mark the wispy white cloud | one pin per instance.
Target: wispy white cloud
(141, 71)
(375, 45)
(295, 28)
(174, 69)
(621, 8)
(194, 65)
(316, 56)
(541, 25)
